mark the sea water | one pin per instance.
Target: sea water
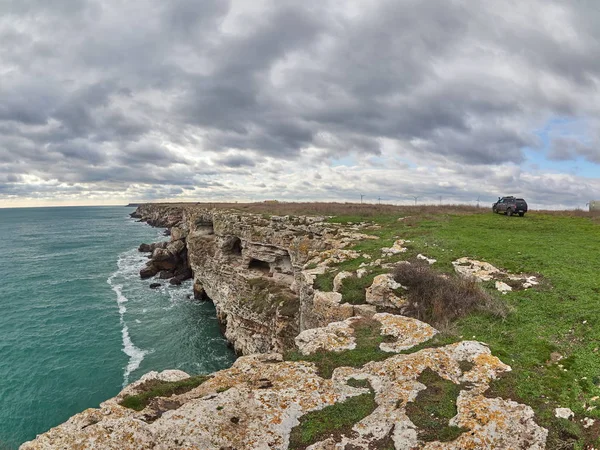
(76, 321)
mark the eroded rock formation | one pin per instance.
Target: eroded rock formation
(250, 266)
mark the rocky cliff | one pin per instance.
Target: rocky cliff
(318, 371)
(253, 268)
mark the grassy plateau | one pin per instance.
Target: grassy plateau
(551, 334)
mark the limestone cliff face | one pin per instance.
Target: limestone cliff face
(252, 268)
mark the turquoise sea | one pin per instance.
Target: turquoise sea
(76, 321)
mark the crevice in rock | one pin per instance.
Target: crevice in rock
(283, 264)
(204, 227)
(232, 246)
(260, 266)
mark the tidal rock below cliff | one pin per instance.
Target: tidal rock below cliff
(168, 258)
(148, 271)
(149, 248)
(155, 285)
(166, 274)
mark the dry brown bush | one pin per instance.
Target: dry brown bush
(439, 300)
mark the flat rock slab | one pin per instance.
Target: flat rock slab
(484, 271)
(335, 337)
(407, 331)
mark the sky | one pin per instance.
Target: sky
(110, 102)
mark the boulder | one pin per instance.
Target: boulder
(166, 274)
(338, 281)
(199, 293)
(383, 292)
(145, 248)
(178, 233)
(149, 248)
(148, 271)
(155, 285)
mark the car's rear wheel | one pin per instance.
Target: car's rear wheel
(521, 214)
(509, 212)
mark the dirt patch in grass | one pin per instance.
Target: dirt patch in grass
(368, 337)
(439, 300)
(156, 388)
(332, 421)
(434, 407)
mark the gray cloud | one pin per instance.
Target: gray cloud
(154, 98)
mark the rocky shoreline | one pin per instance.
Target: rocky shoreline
(260, 273)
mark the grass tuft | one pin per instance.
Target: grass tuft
(155, 388)
(333, 420)
(324, 281)
(368, 337)
(434, 407)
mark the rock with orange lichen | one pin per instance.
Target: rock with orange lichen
(490, 423)
(335, 337)
(256, 403)
(407, 331)
(252, 405)
(383, 292)
(327, 307)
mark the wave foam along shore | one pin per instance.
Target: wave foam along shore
(127, 264)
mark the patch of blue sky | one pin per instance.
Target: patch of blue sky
(561, 127)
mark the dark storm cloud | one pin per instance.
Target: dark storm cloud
(236, 161)
(152, 92)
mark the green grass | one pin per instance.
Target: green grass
(368, 338)
(155, 388)
(566, 252)
(354, 289)
(335, 420)
(324, 281)
(434, 407)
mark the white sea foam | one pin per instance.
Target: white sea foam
(135, 354)
(128, 266)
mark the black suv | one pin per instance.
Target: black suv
(510, 206)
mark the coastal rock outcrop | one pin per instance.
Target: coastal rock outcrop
(252, 268)
(260, 402)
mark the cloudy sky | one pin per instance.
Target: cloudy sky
(106, 101)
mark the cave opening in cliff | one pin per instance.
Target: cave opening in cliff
(234, 246)
(261, 266)
(205, 227)
(283, 264)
